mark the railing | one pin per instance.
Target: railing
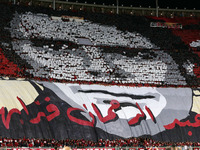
(140, 11)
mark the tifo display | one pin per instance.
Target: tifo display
(98, 80)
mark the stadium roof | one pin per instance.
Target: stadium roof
(180, 4)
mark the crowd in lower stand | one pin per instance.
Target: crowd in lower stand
(130, 142)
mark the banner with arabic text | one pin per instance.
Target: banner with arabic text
(91, 112)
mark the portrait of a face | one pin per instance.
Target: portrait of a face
(87, 51)
(118, 110)
(46, 43)
(157, 106)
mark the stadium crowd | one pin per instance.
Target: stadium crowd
(117, 52)
(80, 143)
(39, 63)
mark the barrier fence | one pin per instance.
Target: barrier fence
(102, 148)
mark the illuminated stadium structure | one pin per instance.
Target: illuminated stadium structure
(137, 7)
(69, 74)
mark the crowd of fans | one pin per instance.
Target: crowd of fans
(195, 43)
(131, 142)
(50, 49)
(35, 38)
(125, 52)
(31, 25)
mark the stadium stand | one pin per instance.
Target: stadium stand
(58, 51)
(126, 36)
(121, 143)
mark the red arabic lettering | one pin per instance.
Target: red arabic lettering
(80, 121)
(37, 119)
(137, 118)
(6, 121)
(111, 115)
(47, 99)
(50, 108)
(85, 106)
(37, 102)
(183, 124)
(150, 114)
(23, 105)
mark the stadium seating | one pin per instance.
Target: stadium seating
(103, 49)
(122, 50)
(74, 143)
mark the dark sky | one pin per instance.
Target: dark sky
(180, 4)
